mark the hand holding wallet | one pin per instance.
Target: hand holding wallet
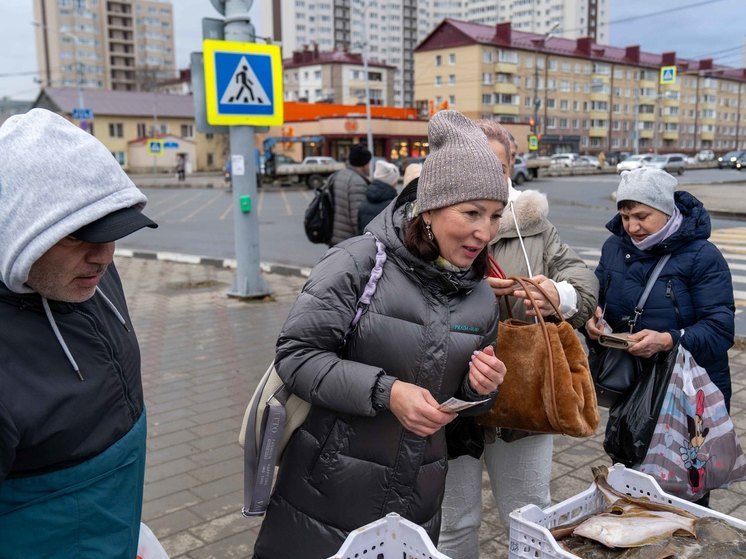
(617, 341)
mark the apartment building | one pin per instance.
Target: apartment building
(581, 95)
(125, 45)
(336, 77)
(391, 29)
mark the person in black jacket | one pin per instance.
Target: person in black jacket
(72, 419)
(379, 194)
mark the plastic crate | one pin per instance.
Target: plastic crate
(391, 537)
(529, 525)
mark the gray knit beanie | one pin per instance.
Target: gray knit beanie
(460, 166)
(650, 186)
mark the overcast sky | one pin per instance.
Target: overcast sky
(691, 28)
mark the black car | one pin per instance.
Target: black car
(729, 159)
(741, 161)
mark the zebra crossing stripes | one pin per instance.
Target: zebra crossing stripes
(732, 244)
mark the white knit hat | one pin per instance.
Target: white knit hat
(386, 172)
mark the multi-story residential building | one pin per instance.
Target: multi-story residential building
(581, 95)
(336, 77)
(391, 29)
(106, 44)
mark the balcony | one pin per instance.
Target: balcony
(646, 117)
(668, 102)
(509, 88)
(505, 109)
(598, 132)
(671, 118)
(648, 84)
(506, 68)
(647, 134)
(707, 136)
(671, 135)
(599, 96)
(599, 115)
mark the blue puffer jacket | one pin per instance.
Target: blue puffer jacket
(696, 279)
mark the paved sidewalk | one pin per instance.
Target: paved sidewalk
(203, 353)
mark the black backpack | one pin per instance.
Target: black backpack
(319, 218)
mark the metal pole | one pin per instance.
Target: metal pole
(248, 281)
(367, 83)
(636, 131)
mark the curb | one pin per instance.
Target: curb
(227, 263)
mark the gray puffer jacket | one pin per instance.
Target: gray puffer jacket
(349, 187)
(546, 254)
(352, 462)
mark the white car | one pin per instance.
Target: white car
(632, 162)
(563, 159)
(318, 160)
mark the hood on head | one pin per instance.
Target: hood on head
(54, 179)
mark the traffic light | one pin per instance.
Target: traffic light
(532, 123)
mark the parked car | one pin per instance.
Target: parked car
(563, 160)
(705, 155)
(318, 160)
(521, 173)
(632, 162)
(672, 163)
(729, 159)
(588, 161)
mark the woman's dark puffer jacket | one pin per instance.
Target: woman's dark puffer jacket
(352, 462)
(697, 277)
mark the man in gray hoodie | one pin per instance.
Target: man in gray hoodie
(72, 421)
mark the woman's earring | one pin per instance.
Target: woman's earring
(429, 232)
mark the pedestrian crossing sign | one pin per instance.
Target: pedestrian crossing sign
(668, 75)
(155, 147)
(243, 83)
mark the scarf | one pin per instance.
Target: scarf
(671, 226)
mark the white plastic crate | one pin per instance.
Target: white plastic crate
(530, 525)
(391, 537)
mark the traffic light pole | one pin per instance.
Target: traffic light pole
(248, 281)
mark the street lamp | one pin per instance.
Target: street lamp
(537, 101)
(78, 64)
(367, 5)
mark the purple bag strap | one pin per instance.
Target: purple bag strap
(259, 469)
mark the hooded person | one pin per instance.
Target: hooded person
(72, 421)
(373, 441)
(349, 187)
(380, 192)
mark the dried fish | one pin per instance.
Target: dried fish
(634, 529)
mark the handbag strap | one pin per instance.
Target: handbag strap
(524, 283)
(648, 288)
(495, 271)
(259, 469)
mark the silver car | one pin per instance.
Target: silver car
(672, 163)
(632, 162)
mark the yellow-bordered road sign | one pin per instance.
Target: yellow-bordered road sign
(243, 83)
(155, 147)
(668, 75)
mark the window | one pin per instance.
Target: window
(119, 156)
(438, 60)
(451, 79)
(451, 58)
(142, 130)
(487, 78)
(438, 81)
(452, 100)
(486, 98)
(116, 130)
(563, 104)
(210, 160)
(187, 130)
(487, 56)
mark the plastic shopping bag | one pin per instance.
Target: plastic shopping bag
(694, 447)
(149, 547)
(633, 417)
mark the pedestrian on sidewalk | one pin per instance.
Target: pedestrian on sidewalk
(349, 187)
(691, 301)
(519, 464)
(180, 167)
(72, 421)
(379, 194)
(373, 441)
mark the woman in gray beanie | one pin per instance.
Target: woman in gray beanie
(373, 442)
(691, 302)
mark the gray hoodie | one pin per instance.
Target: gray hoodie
(54, 179)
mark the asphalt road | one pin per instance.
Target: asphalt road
(199, 222)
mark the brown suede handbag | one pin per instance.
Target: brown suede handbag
(548, 386)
